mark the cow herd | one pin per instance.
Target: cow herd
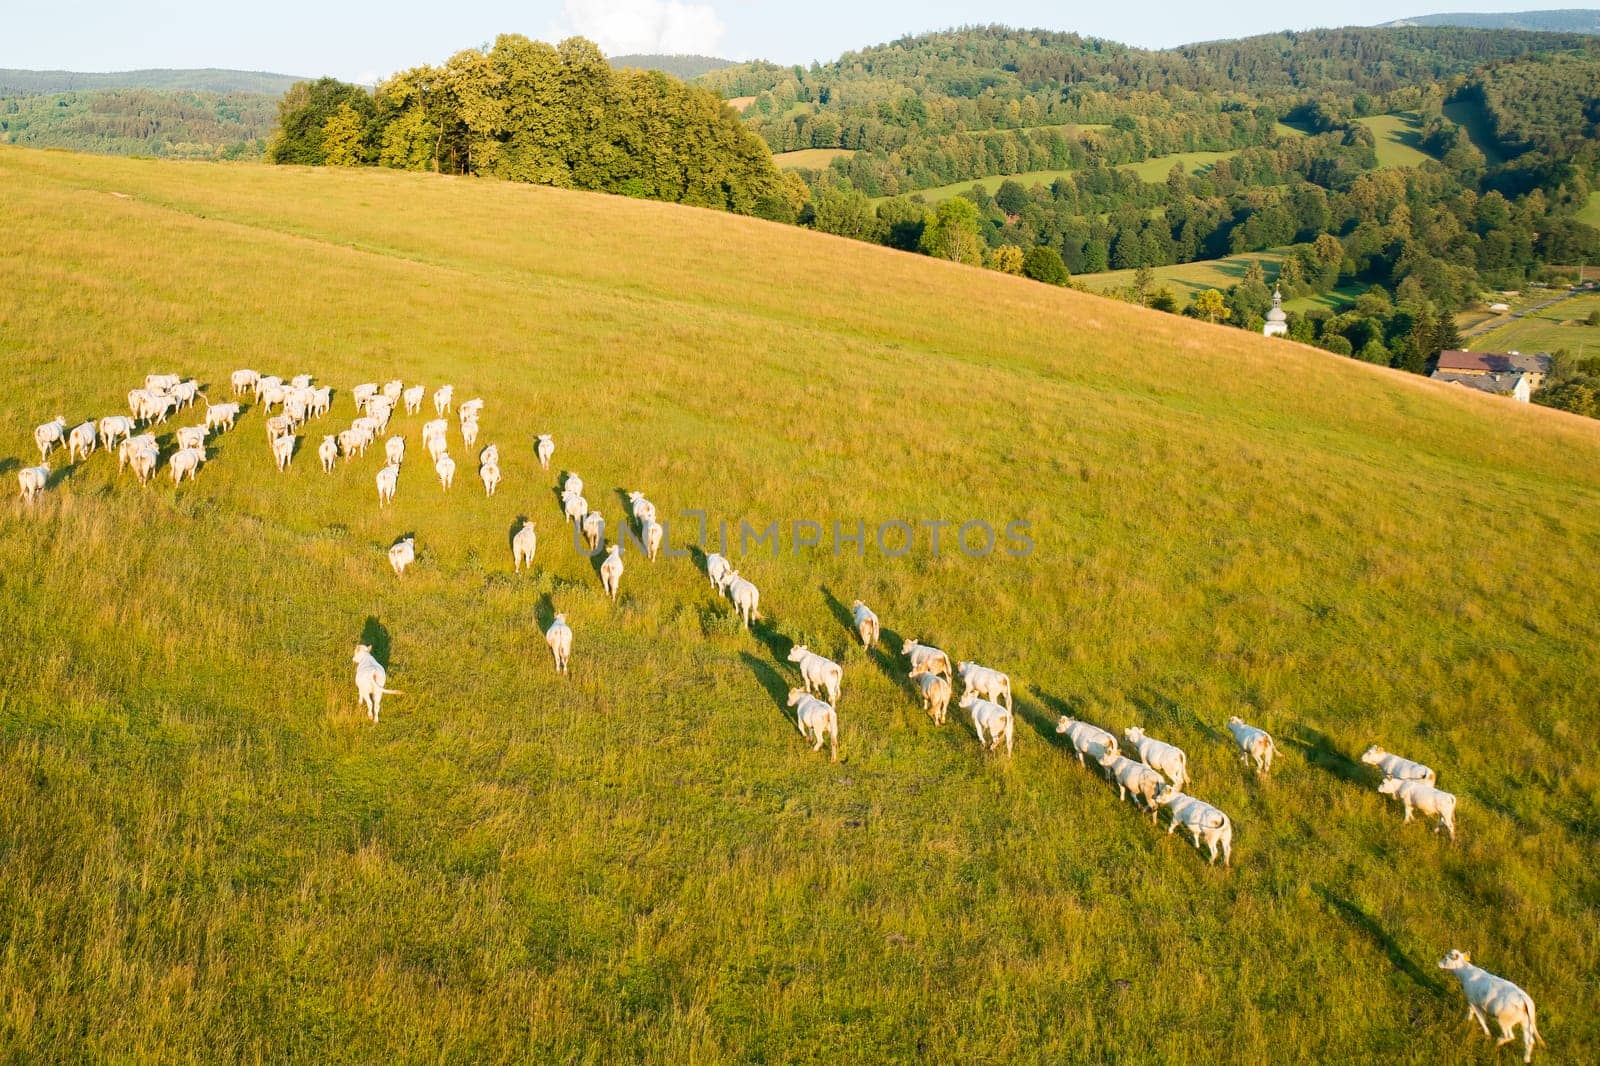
(1152, 775)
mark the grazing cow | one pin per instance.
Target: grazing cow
(746, 598)
(1489, 996)
(1169, 759)
(470, 410)
(717, 568)
(523, 545)
(1086, 739)
(321, 401)
(819, 673)
(990, 719)
(157, 408)
(469, 432)
(559, 637)
(328, 452)
(243, 380)
(190, 436)
(283, 450)
(574, 508)
(443, 398)
(413, 398)
(267, 382)
(393, 390)
(137, 398)
(143, 462)
(32, 480)
(926, 659)
(1395, 766)
(1133, 779)
(611, 572)
(80, 442)
(1255, 745)
(572, 485)
(49, 435)
(438, 447)
(300, 381)
(1425, 798)
(185, 462)
(935, 692)
(435, 428)
(652, 539)
(643, 510)
(221, 415)
(490, 456)
(278, 426)
(402, 554)
(112, 427)
(363, 393)
(491, 478)
(371, 679)
(388, 482)
(594, 530)
(990, 684)
(161, 382)
(1205, 823)
(816, 720)
(545, 448)
(866, 624)
(446, 469)
(273, 395)
(184, 392)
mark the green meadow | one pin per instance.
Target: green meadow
(211, 854)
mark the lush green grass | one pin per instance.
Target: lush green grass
(1591, 210)
(1187, 279)
(1470, 116)
(1150, 170)
(1399, 139)
(810, 158)
(210, 855)
(1558, 326)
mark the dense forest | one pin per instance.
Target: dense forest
(170, 124)
(553, 115)
(209, 80)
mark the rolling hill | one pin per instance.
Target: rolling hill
(679, 66)
(211, 854)
(1559, 21)
(207, 80)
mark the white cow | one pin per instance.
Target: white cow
(363, 393)
(491, 478)
(157, 408)
(301, 381)
(819, 673)
(32, 480)
(328, 452)
(1255, 745)
(866, 624)
(137, 398)
(1205, 823)
(611, 572)
(185, 392)
(1169, 759)
(243, 380)
(143, 462)
(402, 554)
(1491, 996)
(443, 398)
(559, 637)
(393, 390)
(717, 568)
(816, 720)
(1133, 779)
(575, 508)
(114, 426)
(1395, 766)
(185, 462)
(1425, 798)
(161, 382)
(371, 679)
(470, 410)
(446, 469)
(221, 415)
(469, 432)
(926, 659)
(388, 482)
(130, 445)
(990, 719)
(652, 539)
(490, 456)
(643, 510)
(523, 544)
(283, 450)
(80, 442)
(278, 426)
(990, 684)
(49, 435)
(1086, 739)
(413, 398)
(572, 485)
(545, 448)
(190, 436)
(746, 598)
(935, 690)
(594, 530)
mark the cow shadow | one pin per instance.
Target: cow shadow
(375, 635)
(8, 465)
(1157, 709)
(516, 527)
(776, 685)
(1365, 924)
(544, 612)
(1319, 751)
(776, 643)
(1054, 708)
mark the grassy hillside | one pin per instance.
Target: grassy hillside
(1148, 170)
(207, 80)
(1187, 279)
(212, 855)
(810, 158)
(1399, 140)
(1561, 325)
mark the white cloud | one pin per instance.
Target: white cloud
(623, 27)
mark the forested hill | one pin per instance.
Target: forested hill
(16, 82)
(679, 66)
(1566, 21)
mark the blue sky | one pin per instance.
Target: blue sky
(365, 40)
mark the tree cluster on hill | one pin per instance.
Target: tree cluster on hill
(168, 124)
(552, 115)
(685, 67)
(208, 80)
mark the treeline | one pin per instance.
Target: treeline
(149, 122)
(552, 115)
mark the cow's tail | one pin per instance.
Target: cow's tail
(1533, 1024)
(393, 692)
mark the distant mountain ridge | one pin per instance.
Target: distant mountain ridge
(202, 80)
(1574, 20)
(684, 67)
